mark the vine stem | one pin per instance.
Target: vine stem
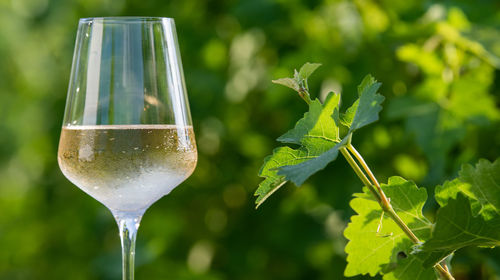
(382, 199)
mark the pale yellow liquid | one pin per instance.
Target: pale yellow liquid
(127, 167)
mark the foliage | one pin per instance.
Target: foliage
(456, 74)
(395, 207)
(378, 244)
(477, 184)
(207, 227)
(315, 141)
(458, 223)
(318, 133)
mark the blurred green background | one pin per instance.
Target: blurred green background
(439, 65)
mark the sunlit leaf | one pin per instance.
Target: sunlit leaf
(365, 110)
(307, 69)
(288, 82)
(317, 124)
(316, 132)
(375, 247)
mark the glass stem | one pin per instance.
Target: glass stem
(128, 223)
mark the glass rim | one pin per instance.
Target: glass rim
(130, 19)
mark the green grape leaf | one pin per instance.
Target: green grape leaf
(480, 183)
(299, 173)
(450, 189)
(288, 82)
(307, 69)
(372, 249)
(273, 181)
(366, 109)
(347, 117)
(300, 77)
(317, 133)
(456, 227)
(483, 182)
(317, 125)
(363, 112)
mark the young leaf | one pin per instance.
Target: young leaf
(307, 69)
(371, 248)
(456, 227)
(316, 125)
(299, 80)
(288, 82)
(367, 107)
(316, 132)
(347, 117)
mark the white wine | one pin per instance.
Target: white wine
(127, 167)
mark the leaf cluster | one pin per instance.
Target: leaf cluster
(470, 204)
(317, 134)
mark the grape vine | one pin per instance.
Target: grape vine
(398, 242)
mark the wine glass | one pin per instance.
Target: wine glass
(127, 137)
